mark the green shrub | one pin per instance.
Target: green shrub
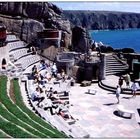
(21, 104)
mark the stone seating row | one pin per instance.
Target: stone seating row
(11, 38)
(16, 45)
(57, 121)
(19, 53)
(45, 115)
(28, 61)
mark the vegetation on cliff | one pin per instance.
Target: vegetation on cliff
(100, 20)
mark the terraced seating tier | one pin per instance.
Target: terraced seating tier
(37, 119)
(28, 61)
(40, 131)
(3, 135)
(105, 85)
(19, 53)
(16, 45)
(11, 38)
(13, 130)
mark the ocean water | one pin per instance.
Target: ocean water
(118, 38)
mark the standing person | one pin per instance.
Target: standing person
(134, 88)
(127, 80)
(120, 81)
(118, 91)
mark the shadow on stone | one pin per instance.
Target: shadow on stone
(138, 111)
(117, 114)
(110, 104)
(126, 97)
(111, 93)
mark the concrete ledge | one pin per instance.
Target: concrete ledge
(122, 111)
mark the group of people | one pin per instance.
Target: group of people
(47, 97)
(134, 86)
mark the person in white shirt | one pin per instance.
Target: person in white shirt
(118, 91)
(54, 70)
(49, 105)
(134, 88)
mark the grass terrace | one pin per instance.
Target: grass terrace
(3, 135)
(20, 103)
(22, 123)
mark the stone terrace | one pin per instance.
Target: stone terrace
(97, 113)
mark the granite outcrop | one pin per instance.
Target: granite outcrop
(25, 19)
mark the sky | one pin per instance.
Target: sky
(105, 6)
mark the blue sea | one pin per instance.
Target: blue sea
(118, 38)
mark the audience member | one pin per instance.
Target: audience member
(35, 96)
(42, 65)
(49, 105)
(54, 70)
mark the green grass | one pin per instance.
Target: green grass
(18, 113)
(42, 132)
(12, 130)
(21, 104)
(3, 135)
(11, 118)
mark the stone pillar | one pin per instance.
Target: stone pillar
(102, 67)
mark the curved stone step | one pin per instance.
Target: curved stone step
(113, 89)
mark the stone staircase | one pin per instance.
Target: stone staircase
(114, 65)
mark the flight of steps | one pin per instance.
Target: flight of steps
(114, 66)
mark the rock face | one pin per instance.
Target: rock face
(80, 39)
(103, 20)
(27, 18)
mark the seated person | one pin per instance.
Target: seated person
(35, 96)
(42, 65)
(48, 76)
(63, 112)
(54, 70)
(54, 97)
(49, 92)
(58, 77)
(49, 105)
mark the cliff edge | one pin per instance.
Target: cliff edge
(100, 20)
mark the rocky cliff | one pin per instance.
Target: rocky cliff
(27, 18)
(98, 20)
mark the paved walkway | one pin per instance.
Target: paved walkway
(97, 113)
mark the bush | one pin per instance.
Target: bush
(128, 50)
